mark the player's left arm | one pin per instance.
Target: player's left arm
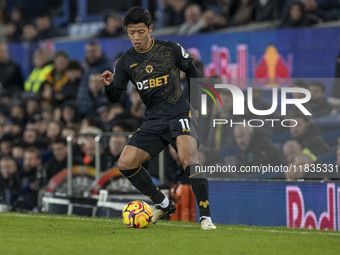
(115, 84)
(185, 63)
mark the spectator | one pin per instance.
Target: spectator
(256, 149)
(193, 22)
(116, 146)
(13, 128)
(14, 28)
(47, 113)
(96, 62)
(31, 125)
(297, 16)
(4, 18)
(3, 119)
(267, 10)
(9, 180)
(29, 32)
(55, 79)
(87, 142)
(57, 162)
(5, 102)
(31, 138)
(45, 28)
(292, 148)
(6, 145)
(123, 126)
(32, 107)
(318, 104)
(42, 67)
(53, 132)
(299, 163)
(95, 96)
(227, 10)
(30, 180)
(17, 16)
(13, 32)
(41, 126)
(305, 167)
(104, 117)
(117, 112)
(113, 26)
(89, 121)
(308, 135)
(70, 89)
(320, 15)
(57, 113)
(11, 78)
(18, 150)
(244, 14)
(18, 113)
(67, 131)
(174, 12)
(69, 114)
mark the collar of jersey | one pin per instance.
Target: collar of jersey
(153, 42)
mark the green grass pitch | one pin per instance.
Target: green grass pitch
(53, 234)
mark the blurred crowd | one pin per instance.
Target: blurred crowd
(189, 16)
(60, 97)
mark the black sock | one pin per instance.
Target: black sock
(141, 179)
(200, 187)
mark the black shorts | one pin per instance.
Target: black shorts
(155, 135)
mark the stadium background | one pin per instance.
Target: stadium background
(304, 52)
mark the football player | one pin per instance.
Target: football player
(153, 67)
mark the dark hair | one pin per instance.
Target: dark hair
(112, 15)
(298, 114)
(125, 125)
(44, 15)
(61, 53)
(74, 65)
(93, 42)
(34, 150)
(318, 84)
(301, 83)
(60, 140)
(137, 15)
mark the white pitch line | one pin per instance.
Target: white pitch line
(175, 225)
(285, 231)
(55, 217)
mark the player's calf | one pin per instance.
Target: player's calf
(200, 187)
(141, 180)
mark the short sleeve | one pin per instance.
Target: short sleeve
(182, 57)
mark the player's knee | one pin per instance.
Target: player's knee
(124, 164)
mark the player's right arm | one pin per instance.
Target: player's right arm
(115, 84)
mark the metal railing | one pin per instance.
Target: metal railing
(98, 138)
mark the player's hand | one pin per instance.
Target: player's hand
(107, 78)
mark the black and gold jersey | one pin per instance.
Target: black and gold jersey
(155, 73)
